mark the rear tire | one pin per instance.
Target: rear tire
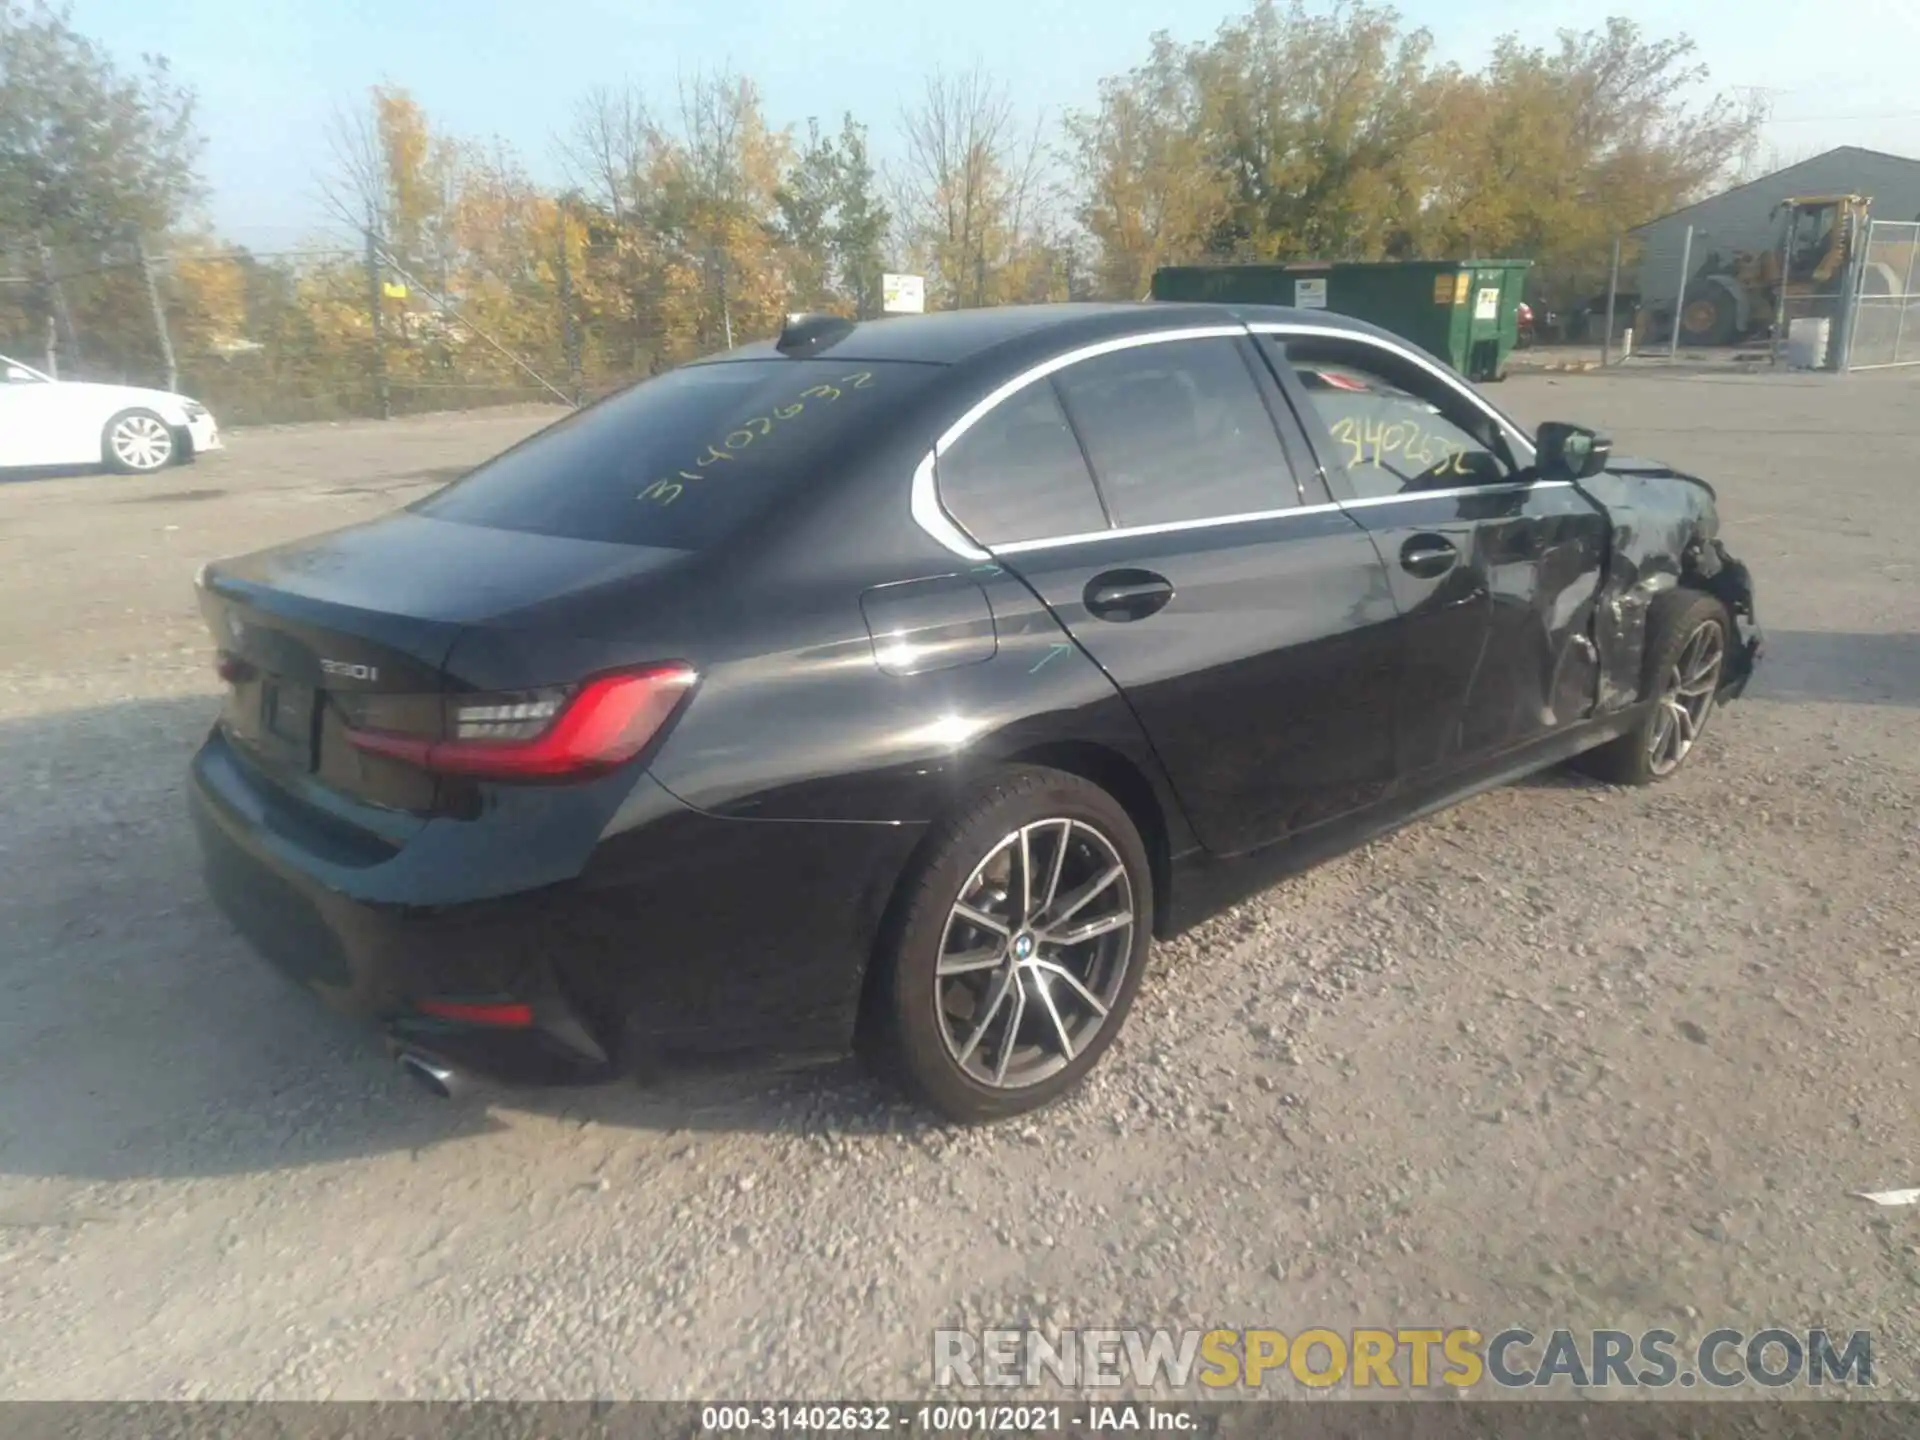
(1014, 950)
(138, 442)
(1689, 636)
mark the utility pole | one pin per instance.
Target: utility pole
(159, 312)
(726, 306)
(59, 317)
(569, 331)
(382, 400)
(1680, 300)
(1780, 317)
(1613, 294)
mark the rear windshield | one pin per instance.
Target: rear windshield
(681, 460)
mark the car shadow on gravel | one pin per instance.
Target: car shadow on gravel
(27, 475)
(1840, 667)
(142, 1038)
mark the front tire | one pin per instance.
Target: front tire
(1689, 634)
(1016, 948)
(138, 442)
(1709, 316)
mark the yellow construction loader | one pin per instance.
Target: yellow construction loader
(1736, 298)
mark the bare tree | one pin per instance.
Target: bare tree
(968, 188)
(607, 152)
(354, 191)
(713, 113)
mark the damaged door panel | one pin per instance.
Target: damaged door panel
(1542, 551)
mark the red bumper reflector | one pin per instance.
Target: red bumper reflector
(510, 1015)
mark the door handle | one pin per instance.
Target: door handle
(1428, 556)
(1126, 594)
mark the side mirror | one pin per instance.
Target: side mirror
(19, 375)
(1570, 452)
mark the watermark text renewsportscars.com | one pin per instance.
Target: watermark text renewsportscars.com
(1411, 1358)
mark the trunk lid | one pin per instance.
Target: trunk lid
(355, 629)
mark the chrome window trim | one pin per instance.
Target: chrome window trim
(1523, 443)
(1457, 492)
(931, 516)
(1168, 527)
(1165, 527)
(1073, 357)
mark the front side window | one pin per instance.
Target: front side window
(682, 460)
(1394, 429)
(1177, 431)
(1018, 473)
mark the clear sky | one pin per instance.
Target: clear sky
(270, 72)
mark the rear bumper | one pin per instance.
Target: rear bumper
(376, 962)
(684, 936)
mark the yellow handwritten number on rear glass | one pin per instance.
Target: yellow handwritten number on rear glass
(742, 436)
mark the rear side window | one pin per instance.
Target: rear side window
(1019, 475)
(681, 460)
(1177, 431)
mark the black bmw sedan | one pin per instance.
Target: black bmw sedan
(889, 686)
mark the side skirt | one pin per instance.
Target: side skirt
(1204, 885)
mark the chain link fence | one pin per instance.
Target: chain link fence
(1886, 311)
(333, 330)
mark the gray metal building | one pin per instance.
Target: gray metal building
(1742, 218)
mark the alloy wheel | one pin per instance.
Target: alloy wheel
(1034, 953)
(1686, 697)
(140, 442)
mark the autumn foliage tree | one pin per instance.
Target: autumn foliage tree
(1331, 133)
(94, 157)
(688, 220)
(1553, 150)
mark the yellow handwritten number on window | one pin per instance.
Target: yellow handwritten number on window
(665, 492)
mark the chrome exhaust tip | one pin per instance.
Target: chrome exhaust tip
(433, 1077)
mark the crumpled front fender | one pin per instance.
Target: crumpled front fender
(1665, 534)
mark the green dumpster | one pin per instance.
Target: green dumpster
(1465, 312)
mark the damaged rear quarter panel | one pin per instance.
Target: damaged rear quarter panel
(1666, 528)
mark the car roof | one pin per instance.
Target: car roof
(950, 337)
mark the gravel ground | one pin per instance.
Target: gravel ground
(1564, 1055)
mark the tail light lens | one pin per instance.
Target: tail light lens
(554, 733)
(507, 1015)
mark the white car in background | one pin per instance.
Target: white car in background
(44, 421)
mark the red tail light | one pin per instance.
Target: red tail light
(508, 1015)
(544, 734)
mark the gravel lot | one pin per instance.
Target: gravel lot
(1562, 1056)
